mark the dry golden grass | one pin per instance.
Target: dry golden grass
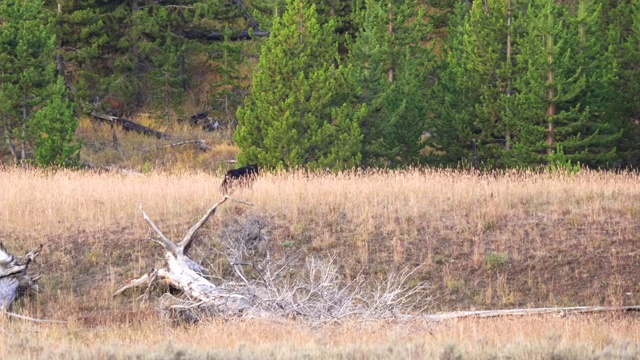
(580, 337)
(483, 241)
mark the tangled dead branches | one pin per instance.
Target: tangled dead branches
(261, 286)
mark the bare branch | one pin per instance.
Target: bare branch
(186, 243)
(166, 243)
(261, 286)
(146, 279)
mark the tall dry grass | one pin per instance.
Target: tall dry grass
(41, 203)
(582, 337)
(482, 241)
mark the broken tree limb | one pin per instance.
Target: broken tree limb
(14, 280)
(186, 275)
(200, 144)
(28, 318)
(185, 244)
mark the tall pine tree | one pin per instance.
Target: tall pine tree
(55, 124)
(473, 127)
(625, 19)
(564, 60)
(391, 61)
(300, 114)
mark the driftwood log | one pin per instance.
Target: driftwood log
(185, 274)
(14, 280)
(259, 286)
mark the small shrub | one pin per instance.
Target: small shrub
(559, 163)
(495, 260)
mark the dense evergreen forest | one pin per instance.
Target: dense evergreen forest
(328, 84)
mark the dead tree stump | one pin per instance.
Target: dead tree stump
(14, 280)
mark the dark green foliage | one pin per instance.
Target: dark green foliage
(55, 124)
(228, 92)
(37, 115)
(129, 54)
(353, 84)
(474, 94)
(299, 114)
(625, 18)
(521, 78)
(391, 61)
(568, 73)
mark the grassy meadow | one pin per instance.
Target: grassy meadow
(481, 241)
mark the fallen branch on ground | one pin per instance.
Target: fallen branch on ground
(129, 125)
(561, 311)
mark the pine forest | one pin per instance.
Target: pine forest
(328, 84)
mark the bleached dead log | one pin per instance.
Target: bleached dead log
(560, 311)
(185, 274)
(264, 286)
(14, 280)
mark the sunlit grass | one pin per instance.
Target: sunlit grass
(580, 337)
(483, 241)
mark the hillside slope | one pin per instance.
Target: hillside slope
(514, 240)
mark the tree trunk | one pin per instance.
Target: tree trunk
(184, 274)
(390, 31)
(319, 294)
(507, 141)
(551, 107)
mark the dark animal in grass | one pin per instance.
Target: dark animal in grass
(243, 176)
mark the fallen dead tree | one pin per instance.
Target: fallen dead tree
(129, 125)
(14, 280)
(258, 286)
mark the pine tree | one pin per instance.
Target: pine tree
(391, 61)
(83, 39)
(27, 44)
(561, 68)
(408, 108)
(625, 20)
(473, 128)
(451, 139)
(55, 125)
(166, 55)
(371, 54)
(299, 114)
